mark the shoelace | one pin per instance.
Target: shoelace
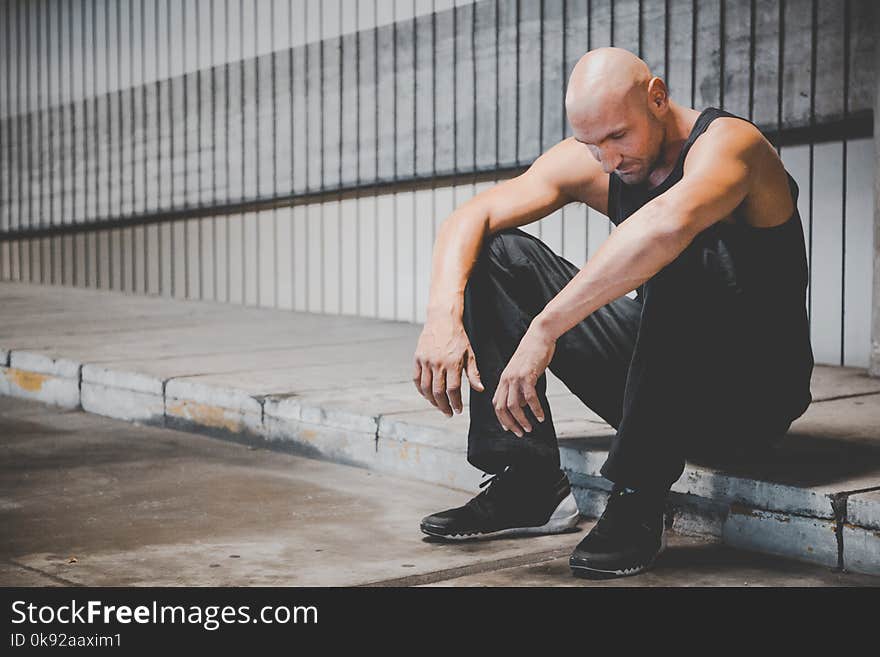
(623, 512)
(495, 486)
(492, 478)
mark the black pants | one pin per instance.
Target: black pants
(666, 370)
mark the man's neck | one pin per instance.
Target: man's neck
(678, 124)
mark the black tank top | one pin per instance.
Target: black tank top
(762, 271)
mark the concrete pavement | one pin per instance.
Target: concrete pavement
(338, 387)
(87, 500)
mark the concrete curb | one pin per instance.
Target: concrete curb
(839, 529)
(861, 533)
(124, 395)
(40, 378)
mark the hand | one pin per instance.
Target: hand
(516, 387)
(442, 352)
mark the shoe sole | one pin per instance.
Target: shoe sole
(599, 573)
(564, 518)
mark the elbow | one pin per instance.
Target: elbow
(466, 218)
(674, 230)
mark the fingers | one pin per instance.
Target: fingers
(510, 401)
(503, 410)
(426, 384)
(473, 373)
(504, 417)
(422, 380)
(417, 376)
(453, 388)
(530, 396)
(438, 389)
(515, 406)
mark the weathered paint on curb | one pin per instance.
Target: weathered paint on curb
(788, 535)
(41, 387)
(26, 381)
(703, 502)
(861, 550)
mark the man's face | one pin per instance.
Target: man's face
(624, 140)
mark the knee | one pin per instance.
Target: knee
(505, 246)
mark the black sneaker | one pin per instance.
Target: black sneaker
(511, 505)
(626, 539)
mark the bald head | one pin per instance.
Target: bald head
(620, 111)
(605, 79)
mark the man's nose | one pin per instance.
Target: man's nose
(610, 161)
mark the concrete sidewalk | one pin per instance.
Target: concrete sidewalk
(93, 501)
(338, 388)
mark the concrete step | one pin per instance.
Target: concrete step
(818, 500)
(148, 506)
(339, 388)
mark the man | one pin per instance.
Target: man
(712, 357)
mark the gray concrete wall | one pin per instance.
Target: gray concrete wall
(875, 332)
(335, 96)
(370, 255)
(431, 94)
(139, 42)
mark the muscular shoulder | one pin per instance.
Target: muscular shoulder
(571, 167)
(733, 143)
(729, 139)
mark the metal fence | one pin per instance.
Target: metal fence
(139, 136)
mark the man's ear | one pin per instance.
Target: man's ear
(658, 94)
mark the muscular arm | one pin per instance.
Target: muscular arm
(565, 173)
(719, 172)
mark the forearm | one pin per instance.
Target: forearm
(456, 249)
(634, 251)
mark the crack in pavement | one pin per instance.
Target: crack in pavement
(54, 578)
(473, 569)
(846, 396)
